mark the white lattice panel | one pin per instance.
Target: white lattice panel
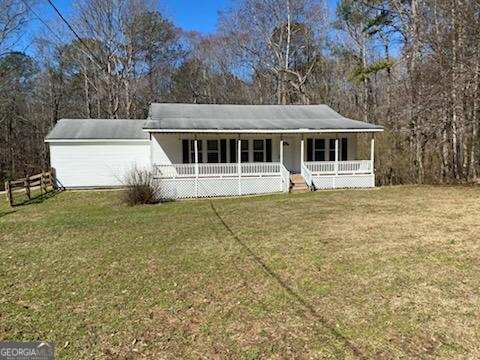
(217, 187)
(176, 188)
(323, 182)
(344, 181)
(355, 181)
(263, 185)
(214, 187)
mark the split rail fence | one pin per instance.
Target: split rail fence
(44, 181)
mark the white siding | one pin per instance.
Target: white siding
(167, 148)
(97, 164)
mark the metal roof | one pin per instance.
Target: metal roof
(185, 117)
(96, 129)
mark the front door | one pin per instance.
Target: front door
(291, 154)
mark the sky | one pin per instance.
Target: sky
(191, 15)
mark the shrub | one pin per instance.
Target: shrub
(140, 188)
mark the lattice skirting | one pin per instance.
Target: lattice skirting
(344, 181)
(212, 187)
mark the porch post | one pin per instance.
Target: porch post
(195, 145)
(239, 165)
(335, 165)
(301, 152)
(281, 152)
(336, 156)
(372, 152)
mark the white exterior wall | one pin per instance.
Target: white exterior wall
(167, 148)
(97, 164)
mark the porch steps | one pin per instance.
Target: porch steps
(297, 184)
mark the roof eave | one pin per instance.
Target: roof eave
(264, 131)
(96, 140)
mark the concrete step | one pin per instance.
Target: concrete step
(299, 190)
(300, 187)
(298, 183)
(296, 178)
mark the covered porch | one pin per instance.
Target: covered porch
(209, 165)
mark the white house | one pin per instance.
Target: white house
(216, 150)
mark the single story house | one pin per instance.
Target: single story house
(198, 150)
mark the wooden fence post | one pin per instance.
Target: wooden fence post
(53, 179)
(27, 187)
(8, 191)
(43, 188)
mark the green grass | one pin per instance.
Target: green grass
(388, 273)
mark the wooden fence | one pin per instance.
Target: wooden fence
(44, 181)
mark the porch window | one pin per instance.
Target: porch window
(192, 151)
(212, 151)
(244, 148)
(319, 150)
(258, 150)
(331, 149)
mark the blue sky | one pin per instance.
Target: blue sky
(192, 15)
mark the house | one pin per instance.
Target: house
(216, 150)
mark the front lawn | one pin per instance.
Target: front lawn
(388, 273)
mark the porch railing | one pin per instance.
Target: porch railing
(285, 178)
(307, 175)
(216, 170)
(340, 167)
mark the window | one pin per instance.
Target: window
(244, 148)
(192, 151)
(344, 149)
(331, 150)
(319, 150)
(212, 151)
(258, 150)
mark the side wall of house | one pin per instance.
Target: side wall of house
(97, 164)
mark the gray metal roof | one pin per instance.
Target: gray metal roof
(91, 129)
(250, 117)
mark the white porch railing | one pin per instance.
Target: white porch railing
(216, 170)
(340, 167)
(307, 175)
(285, 178)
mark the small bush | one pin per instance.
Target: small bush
(141, 188)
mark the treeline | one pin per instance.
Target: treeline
(411, 66)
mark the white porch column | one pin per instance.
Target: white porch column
(239, 165)
(195, 146)
(372, 151)
(302, 146)
(336, 156)
(281, 152)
